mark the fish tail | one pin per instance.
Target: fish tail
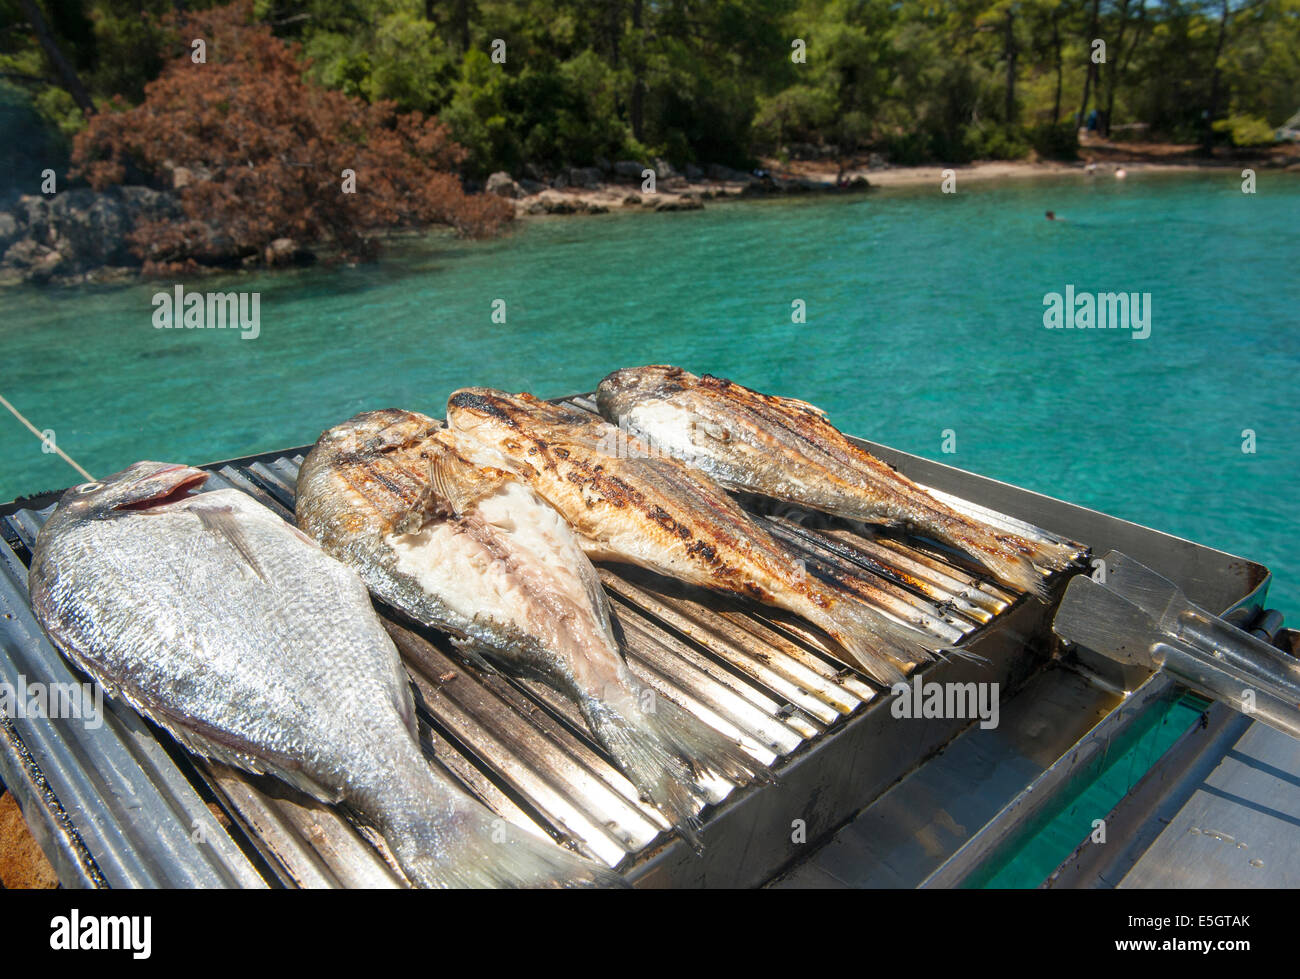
(665, 750)
(885, 648)
(1015, 570)
(1008, 557)
(1052, 555)
(470, 847)
(1018, 562)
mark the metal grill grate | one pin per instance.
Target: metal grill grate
(758, 674)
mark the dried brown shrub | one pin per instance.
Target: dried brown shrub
(272, 148)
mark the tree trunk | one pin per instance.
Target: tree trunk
(1112, 76)
(462, 23)
(1056, 43)
(1092, 65)
(1207, 139)
(1009, 47)
(614, 26)
(1137, 38)
(71, 82)
(637, 107)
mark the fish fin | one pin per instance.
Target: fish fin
(886, 649)
(1054, 556)
(469, 649)
(949, 653)
(1015, 570)
(221, 521)
(596, 596)
(480, 849)
(445, 486)
(456, 493)
(664, 750)
(794, 404)
(1011, 559)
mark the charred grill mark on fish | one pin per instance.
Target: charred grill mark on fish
(787, 450)
(632, 504)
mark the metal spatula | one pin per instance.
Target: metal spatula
(1165, 602)
(1138, 616)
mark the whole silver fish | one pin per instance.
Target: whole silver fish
(633, 504)
(787, 450)
(234, 631)
(474, 551)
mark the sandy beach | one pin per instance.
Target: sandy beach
(1097, 158)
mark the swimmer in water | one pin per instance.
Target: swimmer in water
(1051, 216)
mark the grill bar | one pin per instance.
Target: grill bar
(154, 845)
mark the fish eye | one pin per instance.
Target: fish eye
(89, 487)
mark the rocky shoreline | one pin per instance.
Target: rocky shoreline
(631, 185)
(80, 235)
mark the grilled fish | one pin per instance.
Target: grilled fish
(235, 632)
(787, 450)
(474, 551)
(632, 505)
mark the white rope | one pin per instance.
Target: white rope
(41, 435)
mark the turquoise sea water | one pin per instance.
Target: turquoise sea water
(924, 313)
(1030, 859)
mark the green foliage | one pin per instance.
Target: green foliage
(923, 81)
(128, 36)
(800, 113)
(398, 57)
(572, 112)
(478, 115)
(996, 141)
(58, 110)
(31, 142)
(1246, 130)
(1054, 142)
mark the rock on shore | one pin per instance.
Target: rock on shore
(621, 186)
(80, 235)
(77, 233)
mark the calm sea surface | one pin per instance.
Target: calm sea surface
(924, 314)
